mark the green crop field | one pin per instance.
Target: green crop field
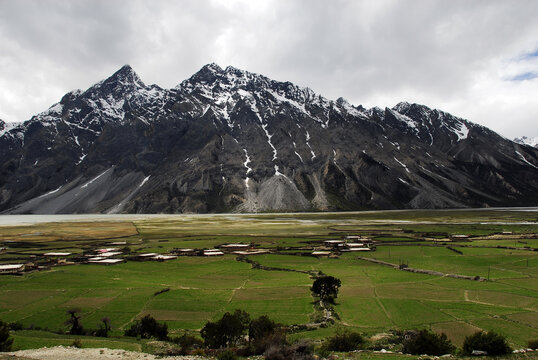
(499, 247)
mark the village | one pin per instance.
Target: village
(119, 252)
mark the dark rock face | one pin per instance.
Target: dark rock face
(229, 140)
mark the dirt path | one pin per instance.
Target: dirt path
(69, 353)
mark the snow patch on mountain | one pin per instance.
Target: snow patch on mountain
(412, 124)
(525, 160)
(524, 140)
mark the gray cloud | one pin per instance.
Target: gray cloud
(460, 56)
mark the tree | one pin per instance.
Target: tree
(74, 322)
(212, 335)
(5, 340)
(490, 342)
(261, 327)
(104, 328)
(326, 287)
(227, 330)
(427, 342)
(148, 327)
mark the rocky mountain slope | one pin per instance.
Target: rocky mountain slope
(229, 140)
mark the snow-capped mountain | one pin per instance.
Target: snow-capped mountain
(527, 141)
(231, 140)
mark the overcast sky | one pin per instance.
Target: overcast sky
(474, 59)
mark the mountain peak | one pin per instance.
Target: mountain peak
(206, 74)
(123, 81)
(126, 75)
(213, 67)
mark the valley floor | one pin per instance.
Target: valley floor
(379, 294)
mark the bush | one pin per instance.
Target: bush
(261, 345)
(5, 340)
(77, 343)
(490, 342)
(147, 328)
(301, 350)
(533, 344)
(344, 341)
(261, 327)
(188, 341)
(427, 342)
(226, 355)
(15, 326)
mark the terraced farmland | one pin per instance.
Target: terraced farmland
(499, 248)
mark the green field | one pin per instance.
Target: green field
(374, 298)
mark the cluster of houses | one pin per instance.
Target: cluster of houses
(113, 255)
(352, 243)
(220, 250)
(106, 256)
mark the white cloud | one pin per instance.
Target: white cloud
(455, 55)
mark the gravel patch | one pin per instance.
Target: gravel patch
(69, 353)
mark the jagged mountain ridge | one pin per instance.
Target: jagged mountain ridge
(230, 140)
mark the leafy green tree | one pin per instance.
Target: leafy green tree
(5, 340)
(490, 342)
(427, 342)
(212, 336)
(326, 288)
(261, 327)
(148, 327)
(227, 330)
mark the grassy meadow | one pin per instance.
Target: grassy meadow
(373, 299)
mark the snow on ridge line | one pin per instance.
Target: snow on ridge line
(296, 153)
(525, 160)
(8, 126)
(308, 144)
(95, 178)
(405, 119)
(275, 153)
(50, 192)
(401, 163)
(462, 132)
(120, 205)
(245, 164)
(144, 181)
(82, 157)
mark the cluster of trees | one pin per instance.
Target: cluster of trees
(147, 328)
(480, 343)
